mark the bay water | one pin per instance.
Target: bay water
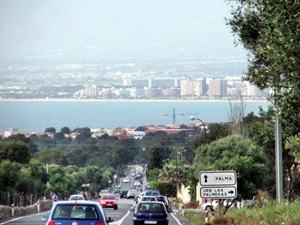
(35, 116)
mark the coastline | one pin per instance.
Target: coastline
(137, 100)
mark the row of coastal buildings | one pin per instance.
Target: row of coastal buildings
(120, 133)
(175, 88)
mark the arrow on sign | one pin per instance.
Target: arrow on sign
(205, 178)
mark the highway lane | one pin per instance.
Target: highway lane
(124, 206)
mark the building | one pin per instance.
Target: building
(140, 83)
(171, 93)
(10, 132)
(217, 88)
(193, 88)
(163, 83)
(153, 92)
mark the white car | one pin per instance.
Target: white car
(125, 180)
(213, 205)
(148, 199)
(210, 205)
(137, 184)
(78, 197)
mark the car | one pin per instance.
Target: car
(166, 202)
(126, 180)
(152, 193)
(104, 192)
(148, 199)
(79, 213)
(109, 201)
(139, 196)
(77, 197)
(132, 193)
(150, 212)
(137, 184)
(123, 193)
(210, 205)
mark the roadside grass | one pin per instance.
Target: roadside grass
(267, 214)
(195, 218)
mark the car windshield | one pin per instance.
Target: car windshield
(111, 197)
(71, 212)
(76, 197)
(148, 198)
(151, 207)
(151, 193)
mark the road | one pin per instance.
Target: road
(118, 215)
(124, 206)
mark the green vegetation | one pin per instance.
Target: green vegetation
(239, 154)
(269, 213)
(195, 218)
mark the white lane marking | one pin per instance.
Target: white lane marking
(22, 217)
(176, 219)
(119, 222)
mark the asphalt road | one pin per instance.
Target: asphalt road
(124, 206)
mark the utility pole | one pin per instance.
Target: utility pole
(278, 157)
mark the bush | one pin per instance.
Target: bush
(165, 189)
(191, 205)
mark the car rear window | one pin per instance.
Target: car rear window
(148, 199)
(108, 197)
(80, 212)
(72, 198)
(151, 207)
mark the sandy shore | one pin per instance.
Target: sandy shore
(136, 100)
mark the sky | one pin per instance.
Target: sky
(116, 30)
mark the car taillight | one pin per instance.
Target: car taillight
(51, 222)
(99, 223)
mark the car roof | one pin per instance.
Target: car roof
(151, 202)
(83, 202)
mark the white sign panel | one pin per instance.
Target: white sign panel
(217, 178)
(218, 192)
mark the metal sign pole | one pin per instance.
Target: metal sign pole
(219, 207)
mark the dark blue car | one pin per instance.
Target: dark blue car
(77, 212)
(150, 213)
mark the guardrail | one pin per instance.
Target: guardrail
(8, 212)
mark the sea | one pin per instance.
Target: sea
(35, 116)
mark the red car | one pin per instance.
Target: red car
(109, 201)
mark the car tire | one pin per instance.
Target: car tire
(209, 208)
(115, 208)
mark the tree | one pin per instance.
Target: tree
(65, 130)
(15, 151)
(84, 134)
(51, 156)
(21, 137)
(159, 152)
(214, 132)
(293, 182)
(58, 136)
(9, 175)
(269, 30)
(59, 182)
(51, 130)
(239, 154)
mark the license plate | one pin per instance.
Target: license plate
(150, 222)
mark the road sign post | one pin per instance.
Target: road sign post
(218, 185)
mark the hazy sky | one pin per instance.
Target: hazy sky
(116, 29)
